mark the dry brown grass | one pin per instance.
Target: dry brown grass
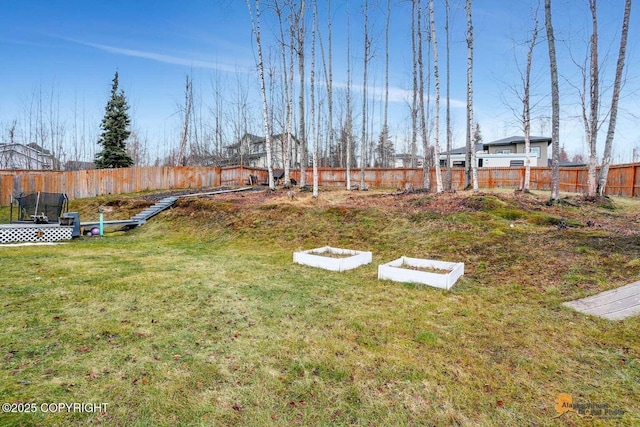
(201, 318)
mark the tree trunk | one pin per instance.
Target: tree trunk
(302, 132)
(312, 88)
(384, 134)
(449, 136)
(594, 94)
(330, 77)
(526, 107)
(363, 142)
(436, 77)
(555, 105)
(287, 83)
(255, 25)
(348, 123)
(606, 158)
(414, 99)
(423, 111)
(471, 144)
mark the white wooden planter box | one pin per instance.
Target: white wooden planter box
(394, 271)
(316, 258)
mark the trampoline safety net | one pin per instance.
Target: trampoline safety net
(37, 205)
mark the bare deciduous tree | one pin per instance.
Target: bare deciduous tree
(471, 143)
(188, 108)
(423, 109)
(555, 104)
(436, 77)
(448, 119)
(312, 89)
(415, 33)
(613, 115)
(255, 25)
(349, 119)
(367, 53)
(526, 103)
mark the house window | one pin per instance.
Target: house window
(504, 151)
(458, 163)
(535, 151)
(515, 163)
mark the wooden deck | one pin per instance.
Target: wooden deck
(615, 304)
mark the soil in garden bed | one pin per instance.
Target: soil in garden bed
(426, 269)
(329, 254)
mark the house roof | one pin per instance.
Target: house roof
(517, 140)
(567, 164)
(461, 150)
(255, 139)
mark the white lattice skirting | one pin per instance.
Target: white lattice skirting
(15, 233)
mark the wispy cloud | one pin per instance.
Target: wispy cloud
(396, 94)
(166, 59)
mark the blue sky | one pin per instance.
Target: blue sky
(59, 58)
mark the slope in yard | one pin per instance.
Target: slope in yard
(201, 318)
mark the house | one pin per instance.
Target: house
(251, 151)
(506, 152)
(30, 156)
(403, 161)
(77, 165)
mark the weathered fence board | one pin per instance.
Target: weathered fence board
(624, 180)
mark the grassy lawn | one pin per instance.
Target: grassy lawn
(200, 317)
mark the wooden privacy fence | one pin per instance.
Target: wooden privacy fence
(624, 180)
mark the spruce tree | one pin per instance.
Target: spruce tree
(115, 131)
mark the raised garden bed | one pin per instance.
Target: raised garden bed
(439, 274)
(334, 259)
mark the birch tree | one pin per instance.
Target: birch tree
(328, 74)
(363, 142)
(471, 144)
(287, 84)
(312, 88)
(255, 25)
(423, 110)
(349, 119)
(448, 113)
(526, 104)
(298, 25)
(591, 123)
(436, 77)
(606, 159)
(188, 108)
(414, 99)
(384, 143)
(555, 104)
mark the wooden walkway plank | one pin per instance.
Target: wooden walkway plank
(615, 304)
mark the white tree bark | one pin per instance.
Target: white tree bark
(594, 101)
(300, 27)
(363, 142)
(423, 110)
(349, 120)
(255, 25)
(555, 105)
(472, 154)
(606, 159)
(312, 89)
(436, 77)
(448, 119)
(287, 84)
(414, 100)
